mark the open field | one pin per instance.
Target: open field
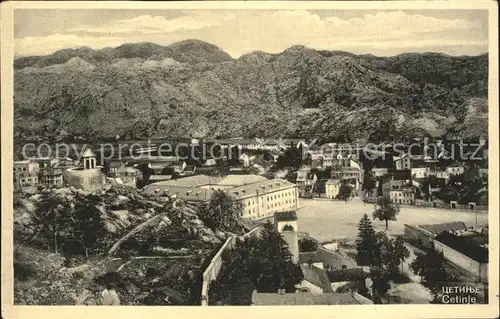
(326, 220)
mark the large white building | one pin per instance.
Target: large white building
(259, 196)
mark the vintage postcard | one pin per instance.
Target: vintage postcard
(330, 158)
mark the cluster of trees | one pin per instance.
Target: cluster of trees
(345, 191)
(307, 244)
(75, 230)
(384, 255)
(221, 213)
(369, 181)
(293, 157)
(264, 264)
(430, 266)
(464, 188)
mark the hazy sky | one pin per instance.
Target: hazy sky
(379, 32)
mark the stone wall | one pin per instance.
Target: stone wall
(480, 270)
(88, 179)
(415, 235)
(213, 269)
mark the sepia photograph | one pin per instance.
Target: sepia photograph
(239, 154)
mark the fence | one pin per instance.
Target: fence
(215, 265)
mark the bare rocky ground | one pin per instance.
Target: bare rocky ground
(160, 264)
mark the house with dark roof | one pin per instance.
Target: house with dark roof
(285, 216)
(349, 278)
(325, 258)
(305, 298)
(315, 280)
(467, 253)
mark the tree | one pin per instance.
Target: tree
(307, 244)
(369, 181)
(222, 212)
(344, 191)
(168, 170)
(400, 250)
(88, 225)
(431, 267)
(52, 218)
(385, 210)
(277, 271)
(380, 283)
(387, 254)
(264, 264)
(366, 242)
(291, 158)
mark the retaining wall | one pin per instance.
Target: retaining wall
(213, 269)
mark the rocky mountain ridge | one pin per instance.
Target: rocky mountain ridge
(193, 88)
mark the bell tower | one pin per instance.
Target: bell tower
(287, 225)
(89, 159)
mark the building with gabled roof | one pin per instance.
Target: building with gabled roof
(303, 298)
(332, 188)
(234, 180)
(315, 280)
(259, 196)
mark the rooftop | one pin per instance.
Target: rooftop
(317, 277)
(187, 193)
(285, 216)
(88, 153)
(301, 176)
(333, 182)
(160, 177)
(239, 180)
(439, 228)
(302, 298)
(264, 187)
(351, 274)
(191, 181)
(115, 164)
(52, 172)
(309, 256)
(464, 245)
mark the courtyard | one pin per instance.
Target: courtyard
(328, 220)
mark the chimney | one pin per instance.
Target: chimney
(281, 291)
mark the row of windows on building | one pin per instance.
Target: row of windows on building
(272, 205)
(33, 181)
(402, 194)
(287, 203)
(404, 201)
(251, 202)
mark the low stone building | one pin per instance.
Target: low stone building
(89, 177)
